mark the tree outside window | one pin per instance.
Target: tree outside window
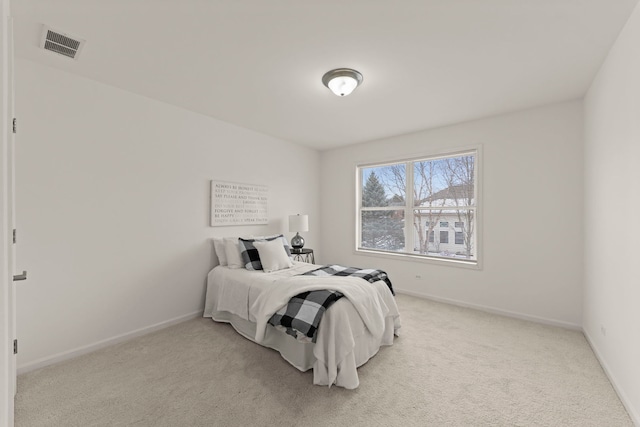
(381, 228)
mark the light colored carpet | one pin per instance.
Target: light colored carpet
(452, 366)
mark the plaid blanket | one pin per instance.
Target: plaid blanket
(367, 274)
(301, 316)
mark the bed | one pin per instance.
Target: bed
(351, 330)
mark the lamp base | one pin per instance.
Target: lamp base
(297, 241)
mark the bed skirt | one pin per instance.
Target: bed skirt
(297, 353)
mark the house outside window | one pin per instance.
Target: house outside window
(407, 207)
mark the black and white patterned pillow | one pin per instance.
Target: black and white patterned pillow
(250, 255)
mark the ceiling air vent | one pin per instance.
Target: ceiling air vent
(61, 43)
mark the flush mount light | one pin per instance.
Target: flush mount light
(342, 81)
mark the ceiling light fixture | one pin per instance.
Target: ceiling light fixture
(342, 81)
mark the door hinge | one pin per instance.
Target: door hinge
(15, 346)
(15, 125)
(15, 239)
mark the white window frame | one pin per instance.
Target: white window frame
(476, 150)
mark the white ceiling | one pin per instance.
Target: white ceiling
(258, 63)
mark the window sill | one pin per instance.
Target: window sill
(449, 262)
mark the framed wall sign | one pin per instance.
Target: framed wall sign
(234, 203)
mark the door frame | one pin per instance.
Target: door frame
(7, 294)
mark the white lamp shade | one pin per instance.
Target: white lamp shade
(298, 223)
(342, 85)
(342, 81)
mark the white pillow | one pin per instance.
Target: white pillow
(285, 242)
(273, 256)
(232, 252)
(218, 244)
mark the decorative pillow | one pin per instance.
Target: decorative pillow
(218, 244)
(232, 252)
(250, 255)
(285, 242)
(273, 256)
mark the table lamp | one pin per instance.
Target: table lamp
(298, 223)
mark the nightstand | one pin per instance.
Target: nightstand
(303, 254)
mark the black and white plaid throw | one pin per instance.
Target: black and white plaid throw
(368, 274)
(304, 311)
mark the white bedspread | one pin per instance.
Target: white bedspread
(350, 333)
(364, 297)
(235, 290)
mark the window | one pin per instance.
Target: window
(400, 204)
(381, 215)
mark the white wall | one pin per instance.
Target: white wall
(113, 207)
(532, 209)
(612, 196)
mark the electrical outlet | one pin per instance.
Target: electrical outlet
(603, 330)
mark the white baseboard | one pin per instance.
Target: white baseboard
(536, 319)
(56, 358)
(633, 413)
